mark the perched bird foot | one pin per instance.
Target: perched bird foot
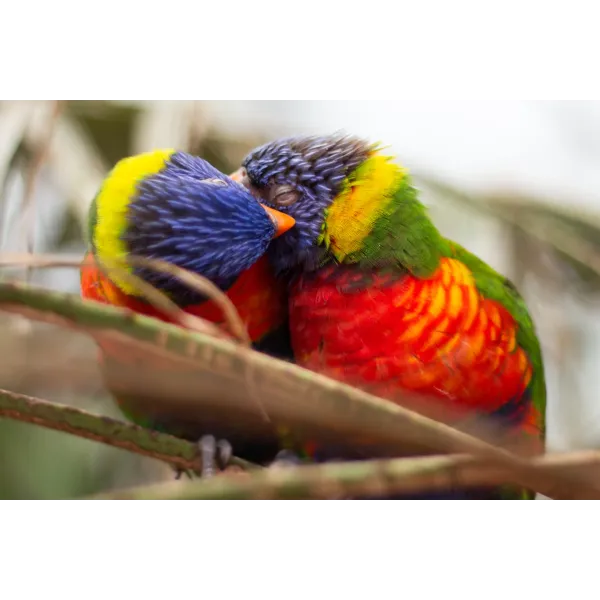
(214, 453)
(179, 472)
(286, 458)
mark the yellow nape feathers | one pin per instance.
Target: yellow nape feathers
(111, 203)
(364, 198)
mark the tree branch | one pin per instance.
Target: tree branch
(284, 389)
(152, 295)
(333, 480)
(423, 475)
(291, 396)
(179, 453)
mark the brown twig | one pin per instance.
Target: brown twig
(152, 295)
(203, 286)
(373, 478)
(157, 299)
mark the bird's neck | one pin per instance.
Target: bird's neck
(378, 220)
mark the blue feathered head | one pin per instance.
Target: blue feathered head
(301, 176)
(182, 210)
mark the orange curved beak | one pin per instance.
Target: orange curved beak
(281, 221)
(237, 175)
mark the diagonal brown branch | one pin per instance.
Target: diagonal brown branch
(151, 294)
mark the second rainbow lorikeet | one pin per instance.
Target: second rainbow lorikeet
(380, 299)
(177, 207)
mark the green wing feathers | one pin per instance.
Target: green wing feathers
(495, 286)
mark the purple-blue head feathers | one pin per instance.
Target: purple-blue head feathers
(301, 176)
(192, 215)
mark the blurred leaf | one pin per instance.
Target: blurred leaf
(109, 126)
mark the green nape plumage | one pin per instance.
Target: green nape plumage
(377, 221)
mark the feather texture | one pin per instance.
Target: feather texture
(438, 336)
(386, 303)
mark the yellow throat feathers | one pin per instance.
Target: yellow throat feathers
(116, 193)
(365, 197)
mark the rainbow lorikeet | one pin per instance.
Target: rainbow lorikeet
(177, 207)
(379, 299)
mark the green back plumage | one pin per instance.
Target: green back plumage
(495, 286)
(405, 236)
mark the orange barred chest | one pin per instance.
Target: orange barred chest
(437, 336)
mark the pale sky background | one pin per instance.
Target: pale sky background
(545, 148)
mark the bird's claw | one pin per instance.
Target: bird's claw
(179, 472)
(286, 458)
(214, 453)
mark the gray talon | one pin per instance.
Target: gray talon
(179, 472)
(208, 447)
(224, 453)
(214, 454)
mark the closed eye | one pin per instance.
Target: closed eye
(283, 195)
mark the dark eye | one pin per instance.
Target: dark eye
(283, 195)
